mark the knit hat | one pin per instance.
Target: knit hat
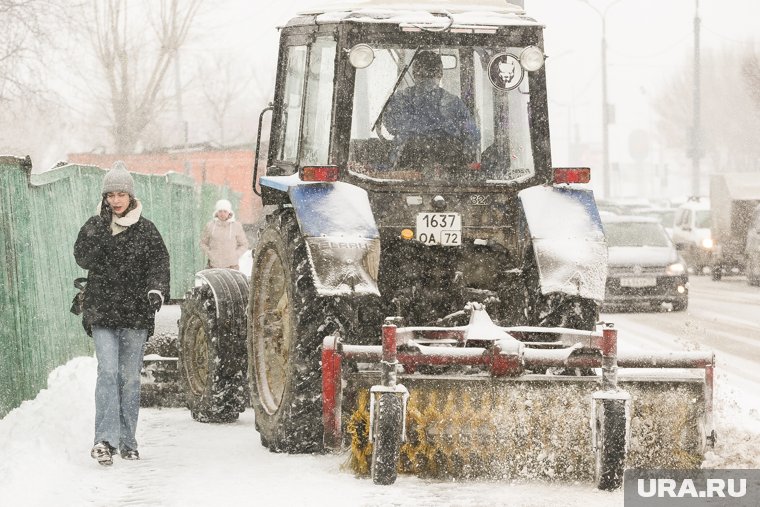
(223, 205)
(118, 179)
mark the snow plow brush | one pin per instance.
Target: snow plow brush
(483, 401)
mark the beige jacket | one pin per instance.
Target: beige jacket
(223, 242)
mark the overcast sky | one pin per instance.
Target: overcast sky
(647, 41)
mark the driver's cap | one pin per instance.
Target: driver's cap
(427, 64)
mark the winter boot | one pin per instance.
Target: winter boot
(130, 454)
(103, 452)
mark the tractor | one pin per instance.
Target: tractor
(432, 305)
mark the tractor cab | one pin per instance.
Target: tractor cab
(352, 95)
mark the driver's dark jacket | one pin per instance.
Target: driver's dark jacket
(426, 109)
(122, 268)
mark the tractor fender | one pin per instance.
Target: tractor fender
(342, 238)
(568, 240)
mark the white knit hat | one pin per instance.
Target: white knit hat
(118, 179)
(222, 205)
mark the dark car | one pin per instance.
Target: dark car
(645, 270)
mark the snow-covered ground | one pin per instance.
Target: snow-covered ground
(44, 446)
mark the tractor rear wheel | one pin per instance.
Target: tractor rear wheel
(387, 442)
(286, 325)
(212, 362)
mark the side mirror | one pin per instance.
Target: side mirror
(680, 246)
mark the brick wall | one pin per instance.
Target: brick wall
(233, 168)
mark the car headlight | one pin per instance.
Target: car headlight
(707, 243)
(675, 269)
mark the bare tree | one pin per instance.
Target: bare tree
(751, 74)
(21, 36)
(135, 60)
(730, 117)
(221, 88)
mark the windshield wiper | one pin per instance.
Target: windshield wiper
(395, 87)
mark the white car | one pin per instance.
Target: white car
(691, 233)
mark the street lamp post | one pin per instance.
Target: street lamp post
(696, 145)
(605, 106)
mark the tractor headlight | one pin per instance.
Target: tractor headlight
(361, 56)
(532, 58)
(675, 269)
(707, 243)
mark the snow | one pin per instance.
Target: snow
(46, 462)
(459, 14)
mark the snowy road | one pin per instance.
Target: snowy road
(45, 443)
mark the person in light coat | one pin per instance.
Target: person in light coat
(223, 240)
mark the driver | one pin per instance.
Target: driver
(427, 112)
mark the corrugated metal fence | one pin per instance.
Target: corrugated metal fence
(40, 216)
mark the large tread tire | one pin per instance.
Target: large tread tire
(287, 322)
(387, 443)
(610, 454)
(212, 359)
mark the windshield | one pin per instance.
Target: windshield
(635, 234)
(456, 114)
(702, 219)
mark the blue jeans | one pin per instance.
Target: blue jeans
(117, 392)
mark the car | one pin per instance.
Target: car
(691, 233)
(645, 269)
(752, 249)
(666, 217)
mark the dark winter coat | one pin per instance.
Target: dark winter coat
(122, 269)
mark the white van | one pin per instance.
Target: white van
(691, 233)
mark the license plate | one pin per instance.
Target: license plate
(439, 229)
(638, 282)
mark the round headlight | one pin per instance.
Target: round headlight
(707, 243)
(361, 56)
(532, 58)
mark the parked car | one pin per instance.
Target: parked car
(691, 233)
(645, 269)
(752, 249)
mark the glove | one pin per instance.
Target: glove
(106, 212)
(155, 301)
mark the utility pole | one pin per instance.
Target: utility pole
(607, 117)
(696, 137)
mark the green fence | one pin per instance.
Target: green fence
(40, 216)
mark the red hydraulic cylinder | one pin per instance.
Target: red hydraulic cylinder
(331, 393)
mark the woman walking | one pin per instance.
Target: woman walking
(128, 280)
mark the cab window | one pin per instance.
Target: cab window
(292, 105)
(319, 98)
